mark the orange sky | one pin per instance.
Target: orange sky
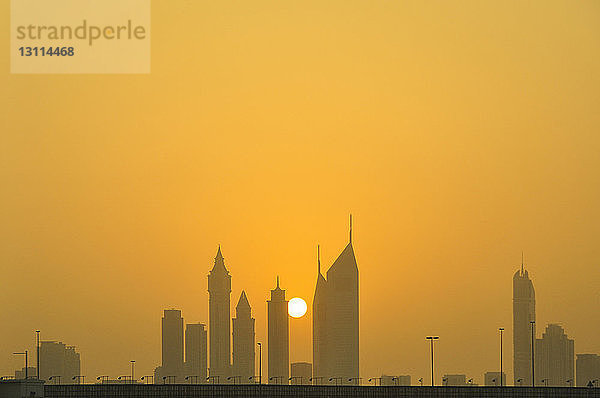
(457, 133)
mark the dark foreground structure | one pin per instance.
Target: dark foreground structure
(202, 391)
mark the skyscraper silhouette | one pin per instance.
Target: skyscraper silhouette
(278, 337)
(319, 327)
(523, 315)
(554, 358)
(243, 340)
(172, 345)
(335, 319)
(219, 329)
(195, 351)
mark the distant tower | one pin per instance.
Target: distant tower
(243, 340)
(342, 315)
(554, 358)
(219, 327)
(278, 338)
(195, 351)
(320, 371)
(172, 345)
(523, 314)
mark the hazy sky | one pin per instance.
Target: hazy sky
(457, 133)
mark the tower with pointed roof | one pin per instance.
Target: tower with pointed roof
(335, 320)
(319, 326)
(219, 327)
(243, 341)
(278, 337)
(523, 315)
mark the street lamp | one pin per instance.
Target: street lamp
(532, 353)
(132, 371)
(501, 331)
(317, 379)
(55, 378)
(570, 382)
(147, 379)
(431, 339)
(102, 379)
(37, 356)
(26, 362)
(259, 344)
(375, 380)
(545, 381)
(444, 380)
(421, 381)
(356, 380)
(520, 381)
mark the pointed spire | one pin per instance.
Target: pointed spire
(219, 262)
(350, 228)
(243, 301)
(219, 255)
(319, 258)
(522, 266)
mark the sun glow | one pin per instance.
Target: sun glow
(297, 307)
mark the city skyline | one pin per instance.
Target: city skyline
(548, 347)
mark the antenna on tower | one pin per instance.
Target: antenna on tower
(277, 281)
(522, 272)
(319, 258)
(350, 228)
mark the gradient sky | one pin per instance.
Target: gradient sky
(457, 133)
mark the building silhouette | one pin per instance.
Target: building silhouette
(523, 315)
(335, 320)
(243, 341)
(172, 347)
(319, 327)
(401, 380)
(59, 361)
(219, 326)
(492, 379)
(30, 371)
(301, 372)
(454, 380)
(554, 358)
(588, 369)
(278, 337)
(195, 352)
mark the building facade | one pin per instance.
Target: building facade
(243, 341)
(523, 315)
(195, 351)
(588, 369)
(219, 321)
(59, 361)
(554, 358)
(172, 346)
(335, 320)
(301, 373)
(278, 337)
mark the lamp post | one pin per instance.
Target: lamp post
(375, 380)
(356, 380)
(532, 353)
(421, 381)
(501, 332)
(431, 339)
(259, 344)
(132, 371)
(26, 361)
(520, 381)
(37, 355)
(147, 379)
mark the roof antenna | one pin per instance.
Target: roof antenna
(277, 281)
(522, 272)
(319, 258)
(350, 228)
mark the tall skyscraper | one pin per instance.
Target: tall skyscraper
(588, 369)
(335, 320)
(523, 315)
(195, 351)
(554, 358)
(219, 326)
(172, 346)
(319, 327)
(59, 359)
(278, 337)
(243, 341)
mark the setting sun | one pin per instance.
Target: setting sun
(297, 307)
